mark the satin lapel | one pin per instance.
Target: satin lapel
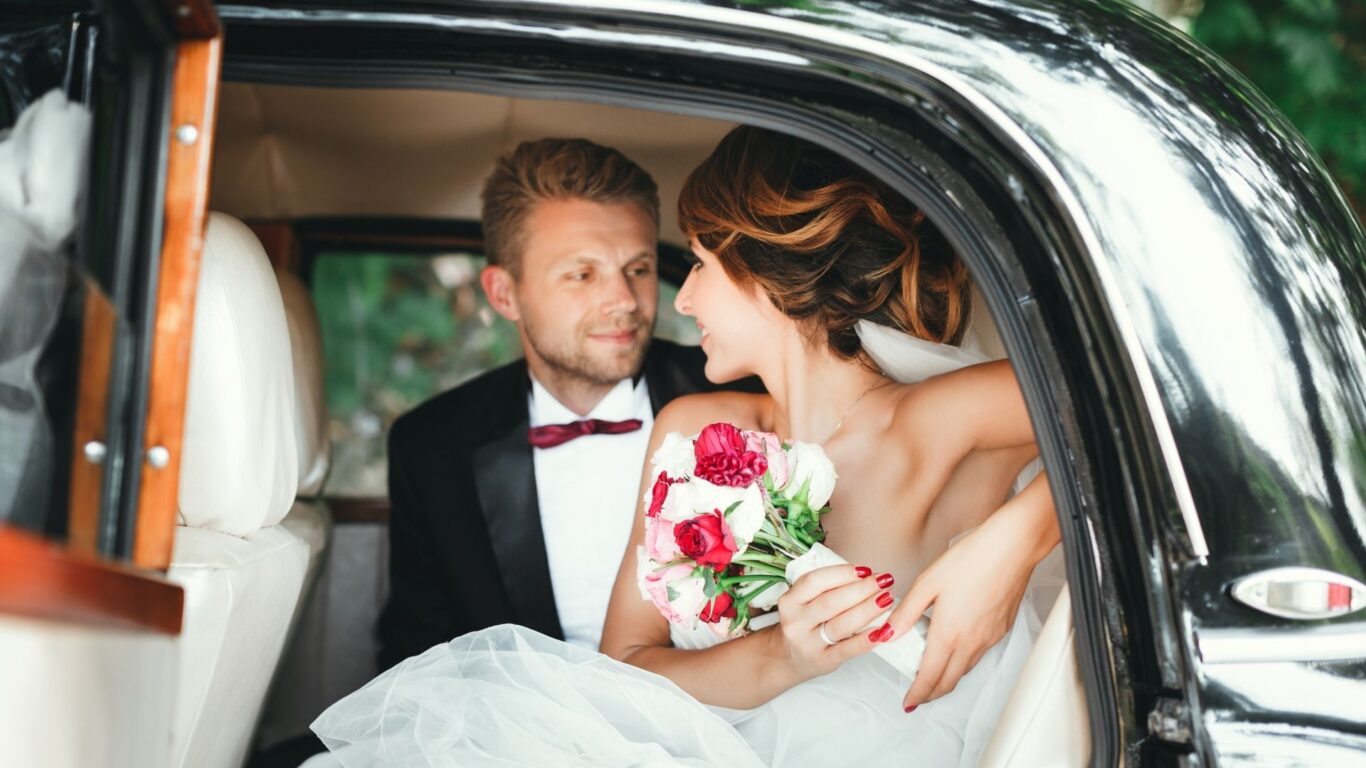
(506, 481)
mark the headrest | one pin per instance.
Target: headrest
(310, 402)
(240, 469)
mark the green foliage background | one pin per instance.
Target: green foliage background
(1309, 57)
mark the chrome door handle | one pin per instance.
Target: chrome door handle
(1301, 593)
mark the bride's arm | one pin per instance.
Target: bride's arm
(972, 409)
(973, 606)
(979, 408)
(749, 671)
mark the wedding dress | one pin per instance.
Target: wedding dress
(508, 696)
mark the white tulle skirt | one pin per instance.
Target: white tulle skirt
(508, 696)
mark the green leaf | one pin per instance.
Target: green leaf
(1312, 54)
(1226, 23)
(1320, 11)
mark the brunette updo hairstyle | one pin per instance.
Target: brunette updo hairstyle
(829, 244)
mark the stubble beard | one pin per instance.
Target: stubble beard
(572, 360)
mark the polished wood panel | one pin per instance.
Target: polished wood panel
(194, 103)
(357, 511)
(44, 580)
(277, 237)
(92, 408)
(192, 19)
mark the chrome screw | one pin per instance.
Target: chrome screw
(158, 457)
(95, 452)
(186, 134)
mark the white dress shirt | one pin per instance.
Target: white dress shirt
(588, 490)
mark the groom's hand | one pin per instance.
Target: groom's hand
(975, 588)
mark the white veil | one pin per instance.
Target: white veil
(908, 359)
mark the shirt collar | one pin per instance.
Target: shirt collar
(625, 401)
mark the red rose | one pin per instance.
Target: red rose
(721, 607)
(722, 458)
(706, 539)
(718, 438)
(659, 493)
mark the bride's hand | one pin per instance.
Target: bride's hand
(845, 598)
(973, 606)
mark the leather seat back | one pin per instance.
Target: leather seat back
(241, 571)
(1045, 722)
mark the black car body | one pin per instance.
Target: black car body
(1178, 281)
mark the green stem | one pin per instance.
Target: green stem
(763, 568)
(742, 578)
(742, 606)
(754, 558)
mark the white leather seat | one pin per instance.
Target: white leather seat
(242, 570)
(1044, 722)
(288, 709)
(308, 517)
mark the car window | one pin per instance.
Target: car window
(399, 328)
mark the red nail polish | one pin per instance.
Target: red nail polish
(863, 571)
(874, 635)
(887, 633)
(884, 599)
(885, 580)
(881, 634)
(911, 708)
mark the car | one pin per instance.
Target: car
(1177, 281)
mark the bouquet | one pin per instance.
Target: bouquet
(732, 518)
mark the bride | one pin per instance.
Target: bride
(798, 257)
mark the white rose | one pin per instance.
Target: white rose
(806, 462)
(699, 497)
(675, 456)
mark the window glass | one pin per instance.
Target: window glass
(58, 327)
(399, 328)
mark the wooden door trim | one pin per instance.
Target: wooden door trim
(42, 579)
(194, 104)
(92, 408)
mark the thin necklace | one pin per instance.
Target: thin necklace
(845, 415)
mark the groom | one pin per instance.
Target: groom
(512, 495)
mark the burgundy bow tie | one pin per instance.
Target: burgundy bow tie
(551, 435)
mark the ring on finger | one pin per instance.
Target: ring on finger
(825, 637)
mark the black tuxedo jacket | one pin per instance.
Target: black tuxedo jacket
(465, 544)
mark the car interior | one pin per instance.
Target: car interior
(304, 177)
(337, 289)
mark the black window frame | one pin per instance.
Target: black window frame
(989, 202)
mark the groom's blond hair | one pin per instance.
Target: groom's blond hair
(556, 169)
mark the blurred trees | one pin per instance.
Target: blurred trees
(1309, 57)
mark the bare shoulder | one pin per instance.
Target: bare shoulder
(690, 413)
(977, 407)
(981, 383)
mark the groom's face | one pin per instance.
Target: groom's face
(586, 297)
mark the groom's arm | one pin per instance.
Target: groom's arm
(418, 613)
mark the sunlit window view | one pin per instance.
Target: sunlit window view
(399, 328)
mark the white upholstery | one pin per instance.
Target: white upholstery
(287, 152)
(240, 596)
(289, 709)
(310, 423)
(242, 573)
(75, 696)
(239, 471)
(1044, 722)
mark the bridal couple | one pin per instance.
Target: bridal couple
(516, 630)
